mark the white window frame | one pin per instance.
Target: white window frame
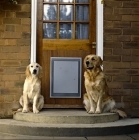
(99, 29)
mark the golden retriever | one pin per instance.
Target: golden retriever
(97, 98)
(32, 89)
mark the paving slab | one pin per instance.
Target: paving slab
(26, 137)
(116, 137)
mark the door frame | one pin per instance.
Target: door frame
(99, 29)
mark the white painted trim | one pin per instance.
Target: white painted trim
(33, 29)
(99, 29)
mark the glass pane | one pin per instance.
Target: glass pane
(82, 13)
(82, 31)
(81, 1)
(49, 12)
(65, 31)
(66, 0)
(50, 0)
(49, 30)
(66, 12)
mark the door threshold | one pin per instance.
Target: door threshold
(62, 106)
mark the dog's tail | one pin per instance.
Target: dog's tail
(20, 110)
(120, 112)
(16, 111)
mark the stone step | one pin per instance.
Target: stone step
(120, 127)
(66, 116)
(68, 123)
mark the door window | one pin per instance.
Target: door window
(66, 19)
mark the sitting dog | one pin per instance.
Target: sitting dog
(97, 98)
(32, 89)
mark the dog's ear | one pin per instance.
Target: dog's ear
(84, 62)
(40, 71)
(27, 72)
(100, 61)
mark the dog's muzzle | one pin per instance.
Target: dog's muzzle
(34, 71)
(87, 65)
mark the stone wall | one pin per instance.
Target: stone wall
(121, 52)
(14, 52)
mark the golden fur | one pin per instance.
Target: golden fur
(97, 98)
(32, 89)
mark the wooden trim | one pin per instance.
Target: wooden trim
(64, 3)
(64, 21)
(39, 31)
(62, 106)
(58, 26)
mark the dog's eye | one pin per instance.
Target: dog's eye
(31, 66)
(37, 66)
(93, 58)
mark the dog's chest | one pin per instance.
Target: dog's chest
(95, 92)
(93, 86)
(32, 88)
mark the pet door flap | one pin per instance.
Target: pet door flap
(65, 77)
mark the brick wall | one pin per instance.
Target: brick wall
(121, 52)
(14, 52)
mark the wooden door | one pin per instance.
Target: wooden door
(65, 28)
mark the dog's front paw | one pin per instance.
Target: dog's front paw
(25, 110)
(35, 111)
(90, 112)
(97, 112)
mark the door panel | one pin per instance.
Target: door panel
(65, 28)
(83, 45)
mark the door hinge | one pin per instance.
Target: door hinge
(102, 1)
(93, 44)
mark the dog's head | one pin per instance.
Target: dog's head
(34, 69)
(92, 61)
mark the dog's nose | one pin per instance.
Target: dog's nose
(87, 62)
(34, 71)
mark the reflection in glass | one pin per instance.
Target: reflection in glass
(49, 30)
(66, 12)
(50, 0)
(65, 31)
(66, 0)
(82, 13)
(49, 12)
(81, 1)
(82, 31)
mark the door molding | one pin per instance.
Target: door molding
(33, 30)
(99, 29)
